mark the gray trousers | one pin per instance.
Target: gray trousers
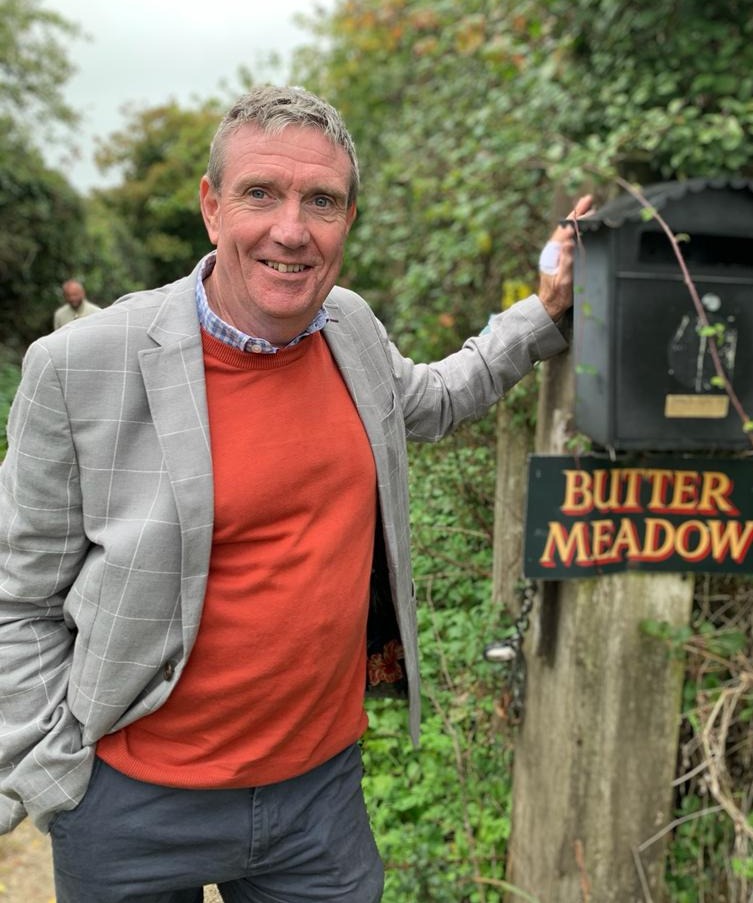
(306, 840)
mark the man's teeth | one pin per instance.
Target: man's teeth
(286, 267)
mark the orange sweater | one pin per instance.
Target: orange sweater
(274, 684)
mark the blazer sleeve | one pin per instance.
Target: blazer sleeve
(437, 397)
(42, 545)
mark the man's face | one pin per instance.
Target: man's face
(279, 223)
(73, 294)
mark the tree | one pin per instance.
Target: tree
(469, 123)
(113, 258)
(42, 221)
(34, 64)
(162, 154)
(455, 197)
(41, 217)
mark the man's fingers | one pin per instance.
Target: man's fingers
(567, 229)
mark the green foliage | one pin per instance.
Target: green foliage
(709, 640)
(41, 218)
(441, 813)
(10, 375)
(35, 65)
(709, 857)
(42, 222)
(699, 854)
(654, 91)
(453, 203)
(113, 258)
(162, 154)
(713, 330)
(470, 123)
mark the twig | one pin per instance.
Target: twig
(505, 885)
(647, 898)
(676, 824)
(714, 743)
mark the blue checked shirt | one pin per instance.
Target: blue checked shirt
(223, 331)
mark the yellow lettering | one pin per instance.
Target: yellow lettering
(569, 546)
(730, 538)
(626, 541)
(655, 546)
(660, 480)
(602, 535)
(602, 479)
(578, 495)
(685, 495)
(682, 540)
(715, 491)
(632, 501)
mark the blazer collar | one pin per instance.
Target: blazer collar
(177, 320)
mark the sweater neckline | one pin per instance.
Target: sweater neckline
(248, 360)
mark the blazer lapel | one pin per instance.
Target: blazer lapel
(347, 355)
(173, 375)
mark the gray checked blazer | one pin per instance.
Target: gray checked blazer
(106, 512)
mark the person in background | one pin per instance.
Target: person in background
(205, 563)
(76, 304)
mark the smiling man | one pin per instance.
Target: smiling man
(205, 563)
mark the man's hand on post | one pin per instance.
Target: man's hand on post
(556, 263)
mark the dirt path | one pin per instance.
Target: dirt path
(26, 868)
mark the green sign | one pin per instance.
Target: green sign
(591, 516)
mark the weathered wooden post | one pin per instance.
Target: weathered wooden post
(596, 752)
(514, 446)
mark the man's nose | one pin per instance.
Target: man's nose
(290, 229)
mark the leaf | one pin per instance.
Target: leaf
(727, 644)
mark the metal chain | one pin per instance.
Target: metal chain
(509, 652)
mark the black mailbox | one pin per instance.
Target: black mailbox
(644, 373)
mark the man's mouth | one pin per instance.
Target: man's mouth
(286, 267)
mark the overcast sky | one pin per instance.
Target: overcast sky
(151, 51)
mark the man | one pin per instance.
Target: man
(76, 304)
(201, 562)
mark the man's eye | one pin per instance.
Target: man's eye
(323, 202)
(257, 194)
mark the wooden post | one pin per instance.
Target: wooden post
(595, 755)
(514, 445)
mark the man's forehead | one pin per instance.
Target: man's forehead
(304, 143)
(295, 152)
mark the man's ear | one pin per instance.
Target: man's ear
(351, 215)
(210, 207)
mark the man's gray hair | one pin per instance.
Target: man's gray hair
(272, 109)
